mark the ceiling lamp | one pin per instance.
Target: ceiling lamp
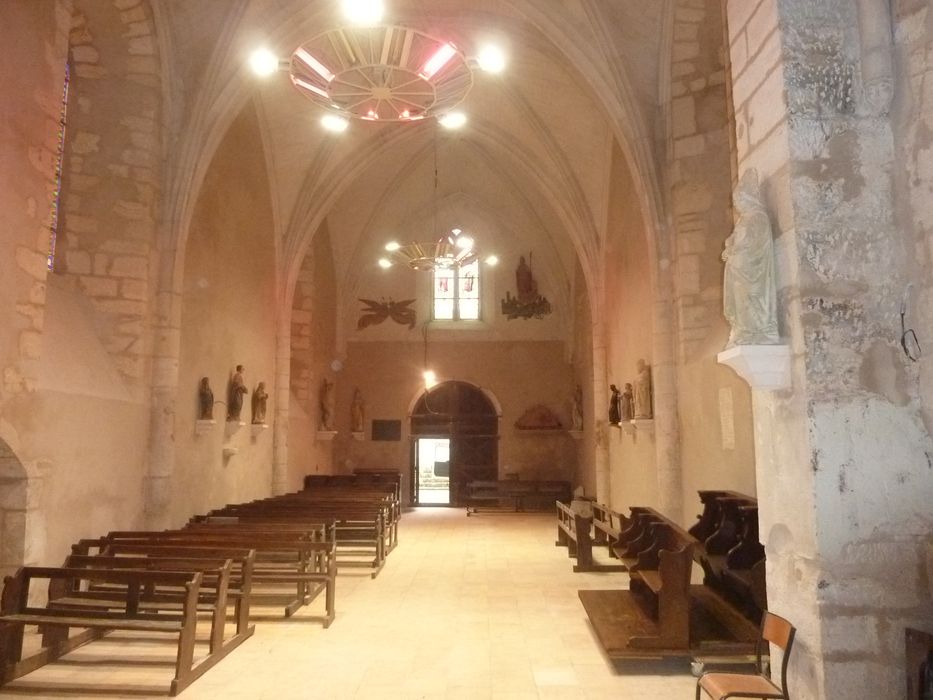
(453, 250)
(491, 59)
(365, 12)
(381, 73)
(453, 120)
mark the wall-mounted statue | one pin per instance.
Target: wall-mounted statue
(260, 397)
(356, 412)
(644, 408)
(235, 392)
(528, 303)
(205, 400)
(749, 290)
(576, 412)
(627, 403)
(326, 405)
(615, 414)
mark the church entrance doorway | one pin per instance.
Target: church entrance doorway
(455, 440)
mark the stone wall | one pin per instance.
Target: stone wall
(112, 174)
(228, 319)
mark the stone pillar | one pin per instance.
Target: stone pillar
(166, 351)
(282, 393)
(664, 382)
(843, 456)
(600, 410)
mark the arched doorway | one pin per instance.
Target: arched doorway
(458, 421)
(13, 507)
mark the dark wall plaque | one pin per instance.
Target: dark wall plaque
(387, 430)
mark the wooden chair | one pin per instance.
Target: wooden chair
(775, 630)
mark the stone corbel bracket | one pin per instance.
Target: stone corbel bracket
(326, 435)
(764, 367)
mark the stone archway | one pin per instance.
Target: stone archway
(14, 507)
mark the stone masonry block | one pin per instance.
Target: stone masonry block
(689, 147)
(78, 262)
(137, 268)
(134, 289)
(122, 307)
(684, 51)
(99, 286)
(141, 46)
(683, 116)
(85, 54)
(32, 263)
(30, 345)
(850, 634)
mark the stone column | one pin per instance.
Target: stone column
(664, 383)
(842, 457)
(282, 394)
(600, 410)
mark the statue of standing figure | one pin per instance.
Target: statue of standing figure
(235, 393)
(749, 290)
(615, 414)
(356, 412)
(576, 416)
(627, 403)
(644, 410)
(260, 398)
(205, 400)
(326, 402)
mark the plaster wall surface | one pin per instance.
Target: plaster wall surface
(629, 325)
(228, 319)
(314, 319)
(518, 374)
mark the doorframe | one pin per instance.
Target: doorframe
(415, 468)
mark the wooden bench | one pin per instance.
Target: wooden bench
(732, 557)
(662, 614)
(55, 622)
(284, 557)
(161, 557)
(518, 495)
(574, 531)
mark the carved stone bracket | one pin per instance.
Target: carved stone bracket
(203, 427)
(326, 435)
(230, 452)
(764, 367)
(358, 435)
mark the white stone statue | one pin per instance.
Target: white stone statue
(749, 290)
(576, 414)
(356, 412)
(644, 409)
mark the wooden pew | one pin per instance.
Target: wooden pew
(284, 557)
(16, 613)
(179, 558)
(519, 494)
(574, 531)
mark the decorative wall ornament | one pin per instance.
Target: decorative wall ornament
(326, 401)
(376, 312)
(260, 398)
(538, 417)
(644, 408)
(528, 303)
(205, 400)
(749, 291)
(235, 392)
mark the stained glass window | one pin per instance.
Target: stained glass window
(456, 293)
(57, 194)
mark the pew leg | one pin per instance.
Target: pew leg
(185, 659)
(53, 635)
(11, 645)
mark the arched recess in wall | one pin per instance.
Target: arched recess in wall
(229, 308)
(464, 414)
(14, 488)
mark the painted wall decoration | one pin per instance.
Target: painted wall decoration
(527, 303)
(376, 312)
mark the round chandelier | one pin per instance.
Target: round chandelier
(385, 73)
(451, 251)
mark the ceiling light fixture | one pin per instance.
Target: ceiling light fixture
(382, 73)
(491, 59)
(335, 123)
(453, 120)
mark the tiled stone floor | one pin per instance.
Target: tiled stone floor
(478, 607)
